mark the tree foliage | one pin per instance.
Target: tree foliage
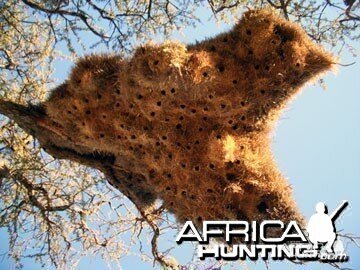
(57, 208)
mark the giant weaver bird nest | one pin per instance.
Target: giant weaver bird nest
(190, 124)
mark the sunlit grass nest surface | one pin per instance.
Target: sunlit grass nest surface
(190, 124)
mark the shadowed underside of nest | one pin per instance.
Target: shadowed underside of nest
(188, 124)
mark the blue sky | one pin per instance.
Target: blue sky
(317, 147)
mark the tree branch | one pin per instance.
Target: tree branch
(33, 120)
(80, 14)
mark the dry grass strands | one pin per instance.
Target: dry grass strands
(190, 124)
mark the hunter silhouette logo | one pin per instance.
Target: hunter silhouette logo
(321, 227)
(250, 239)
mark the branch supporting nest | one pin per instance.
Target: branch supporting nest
(35, 123)
(150, 218)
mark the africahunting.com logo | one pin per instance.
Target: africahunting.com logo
(318, 242)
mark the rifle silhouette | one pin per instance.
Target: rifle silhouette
(336, 213)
